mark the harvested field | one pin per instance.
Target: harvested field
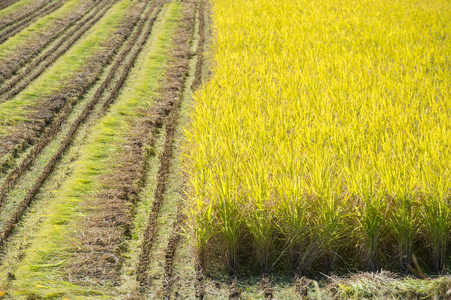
(35, 49)
(20, 11)
(116, 179)
(65, 138)
(7, 3)
(21, 21)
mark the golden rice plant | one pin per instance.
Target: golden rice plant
(324, 135)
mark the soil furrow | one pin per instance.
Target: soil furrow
(7, 3)
(82, 117)
(39, 65)
(200, 49)
(171, 98)
(173, 243)
(17, 27)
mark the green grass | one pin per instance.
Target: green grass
(41, 271)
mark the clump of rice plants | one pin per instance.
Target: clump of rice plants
(323, 139)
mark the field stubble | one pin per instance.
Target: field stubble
(7, 3)
(29, 64)
(26, 19)
(54, 128)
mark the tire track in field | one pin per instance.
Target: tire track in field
(172, 94)
(34, 54)
(174, 241)
(20, 24)
(7, 3)
(176, 234)
(45, 59)
(132, 49)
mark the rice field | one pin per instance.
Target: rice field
(322, 142)
(213, 149)
(93, 97)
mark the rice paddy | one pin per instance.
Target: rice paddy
(323, 140)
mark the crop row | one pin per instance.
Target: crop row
(7, 3)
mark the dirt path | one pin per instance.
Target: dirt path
(35, 59)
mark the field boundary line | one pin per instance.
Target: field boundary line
(171, 96)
